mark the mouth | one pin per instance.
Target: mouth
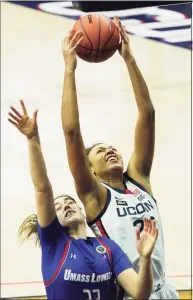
(112, 157)
(69, 213)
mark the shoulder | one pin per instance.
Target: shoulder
(52, 232)
(139, 182)
(109, 244)
(119, 259)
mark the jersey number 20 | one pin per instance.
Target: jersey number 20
(90, 294)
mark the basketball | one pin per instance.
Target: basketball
(101, 38)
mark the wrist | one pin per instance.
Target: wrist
(145, 258)
(33, 137)
(129, 59)
(69, 70)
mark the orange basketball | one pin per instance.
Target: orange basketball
(101, 38)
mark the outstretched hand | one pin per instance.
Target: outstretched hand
(25, 124)
(145, 242)
(124, 50)
(69, 46)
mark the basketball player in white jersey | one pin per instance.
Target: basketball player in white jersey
(115, 201)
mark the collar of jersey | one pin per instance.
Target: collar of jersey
(127, 177)
(116, 189)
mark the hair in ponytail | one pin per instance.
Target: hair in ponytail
(28, 230)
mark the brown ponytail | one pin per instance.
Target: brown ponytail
(28, 229)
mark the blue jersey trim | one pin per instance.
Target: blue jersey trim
(103, 210)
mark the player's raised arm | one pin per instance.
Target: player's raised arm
(139, 286)
(85, 182)
(141, 160)
(44, 196)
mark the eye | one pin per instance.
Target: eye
(69, 202)
(114, 149)
(58, 208)
(99, 151)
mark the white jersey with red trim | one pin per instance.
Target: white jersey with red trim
(124, 210)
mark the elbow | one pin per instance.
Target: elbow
(146, 107)
(43, 188)
(147, 115)
(150, 110)
(71, 130)
(144, 294)
(70, 127)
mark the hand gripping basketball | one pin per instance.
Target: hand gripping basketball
(69, 49)
(124, 49)
(146, 242)
(101, 38)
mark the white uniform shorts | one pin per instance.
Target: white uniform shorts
(164, 291)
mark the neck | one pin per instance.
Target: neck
(78, 232)
(114, 180)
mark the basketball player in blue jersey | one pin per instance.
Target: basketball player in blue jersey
(116, 201)
(74, 266)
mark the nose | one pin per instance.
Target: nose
(109, 151)
(66, 207)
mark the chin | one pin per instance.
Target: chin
(71, 222)
(116, 166)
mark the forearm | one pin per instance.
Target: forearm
(37, 165)
(145, 278)
(69, 113)
(139, 86)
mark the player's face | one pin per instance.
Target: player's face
(105, 159)
(68, 212)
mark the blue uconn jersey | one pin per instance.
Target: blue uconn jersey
(79, 269)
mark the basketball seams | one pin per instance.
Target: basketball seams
(101, 39)
(99, 31)
(91, 49)
(109, 39)
(97, 49)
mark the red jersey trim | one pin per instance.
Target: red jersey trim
(64, 256)
(101, 229)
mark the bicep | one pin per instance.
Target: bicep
(128, 281)
(141, 160)
(45, 206)
(85, 181)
